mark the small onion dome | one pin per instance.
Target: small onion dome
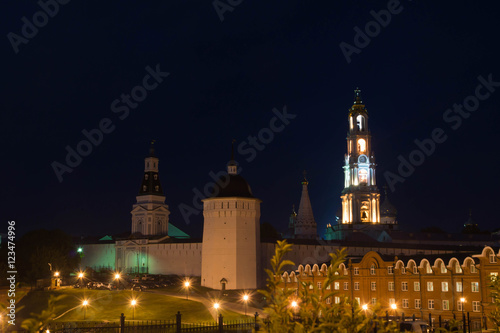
(387, 209)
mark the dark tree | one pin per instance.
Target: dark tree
(36, 249)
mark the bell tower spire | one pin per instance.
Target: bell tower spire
(360, 197)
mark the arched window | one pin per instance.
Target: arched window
(372, 269)
(361, 146)
(443, 268)
(360, 120)
(363, 176)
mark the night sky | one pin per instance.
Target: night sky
(225, 78)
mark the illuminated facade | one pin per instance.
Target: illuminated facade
(445, 285)
(360, 197)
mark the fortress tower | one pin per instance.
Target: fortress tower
(231, 234)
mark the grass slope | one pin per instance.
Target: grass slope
(108, 305)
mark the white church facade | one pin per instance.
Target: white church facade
(231, 254)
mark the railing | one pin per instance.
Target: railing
(153, 326)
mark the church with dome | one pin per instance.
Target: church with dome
(231, 254)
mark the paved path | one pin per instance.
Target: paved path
(209, 303)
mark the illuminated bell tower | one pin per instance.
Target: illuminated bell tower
(360, 197)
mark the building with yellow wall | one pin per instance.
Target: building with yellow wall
(443, 285)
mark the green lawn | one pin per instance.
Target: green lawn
(106, 305)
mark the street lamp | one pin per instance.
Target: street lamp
(462, 301)
(245, 299)
(186, 285)
(56, 274)
(216, 307)
(365, 307)
(84, 304)
(394, 307)
(133, 303)
(117, 279)
(294, 307)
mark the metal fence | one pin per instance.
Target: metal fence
(153, 326)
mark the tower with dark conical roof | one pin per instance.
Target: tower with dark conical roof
(305, 225)
(150, 214)
(231, 234)
(388, 213)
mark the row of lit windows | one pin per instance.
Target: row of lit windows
(405, 303)
(404, 286)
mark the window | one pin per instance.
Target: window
(458, 269)
(319, 285)
(415, 270)
(460, 306)
(430, 304)
(430, 286)
(328, 287)
(405, 304)
(475, 306)
(446, 305)
(346, 285)
(473, 268)
(390, 286)
(390, 270)
(374, 301)
(443, 268)
(357, 299)
(493, 258)
(361, 145)
(310, 286)
(428, 268)
(356, 285)
(416, 286)
(403, 270)
(363, 176)
(373, 286)
(459, 287)
(328, 300)
(336, 285)
(418, 304)
(356, 271)
(337, 299)
(392, 301)
(444, 286)
(475, 287)
(404, 286)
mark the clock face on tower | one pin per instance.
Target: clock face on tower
(362, 159)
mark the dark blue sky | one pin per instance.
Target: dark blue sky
(225, 78)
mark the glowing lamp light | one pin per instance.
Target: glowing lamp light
(85, 303)
(216, 306)
(462, 299)
(133, 302)
(80, 275)
(79, 250)
(365, 307)
(117, 276)
(294, 304)
(245, 298)
(187, 284)
(56, 274)
(394, 306)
